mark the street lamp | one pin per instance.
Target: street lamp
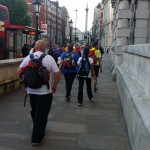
(37, 6)
(56, 22)
(75, 25)
(71, 26)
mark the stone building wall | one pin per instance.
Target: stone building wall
(130, 26)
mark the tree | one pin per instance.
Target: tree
(18, 11)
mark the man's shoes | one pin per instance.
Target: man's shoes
(80, 104)
(91, 99)
(67, 99)
(95, 90)
(38, 143)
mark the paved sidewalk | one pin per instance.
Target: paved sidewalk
(97, 125)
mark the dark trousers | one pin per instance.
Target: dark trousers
(40, 105)
(88, 88)
(69, 78)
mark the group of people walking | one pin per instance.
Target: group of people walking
(72, 61)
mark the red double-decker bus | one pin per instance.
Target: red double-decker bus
(13, 37)
(10, 36)
(4, 19)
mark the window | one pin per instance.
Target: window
(1, 42)
(4, 15)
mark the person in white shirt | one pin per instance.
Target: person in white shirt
(81, 50)
(87, 78)
(41, 99)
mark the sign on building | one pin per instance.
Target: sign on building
(44, 28)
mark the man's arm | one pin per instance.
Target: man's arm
(60, 65)
(93, 72)
(56, 81)
(100, 64)
(19, 70)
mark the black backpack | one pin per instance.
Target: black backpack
(84, 67)
(35, 74)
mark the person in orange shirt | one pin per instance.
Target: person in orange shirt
(77, 49)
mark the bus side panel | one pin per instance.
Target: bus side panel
(2, 45)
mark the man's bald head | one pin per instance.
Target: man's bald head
(40, 46)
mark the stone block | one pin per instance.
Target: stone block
(121, 41)
(118, 50)
(118, 59)
(141, 23)
(140, 32)
(123, 23)
(124, 5)
(124, 14)
(142, 4)
(139, 40)
(123, 32)
(142, 13)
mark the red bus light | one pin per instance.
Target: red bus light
(31, 32)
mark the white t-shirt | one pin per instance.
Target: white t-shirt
(81, 51)
(91, 62)
(49, 62)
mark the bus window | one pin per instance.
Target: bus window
(4, 14)
(1, 42)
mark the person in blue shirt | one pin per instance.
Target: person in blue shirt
(68, 65)
(57, 52)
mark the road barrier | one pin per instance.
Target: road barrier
(8, 75)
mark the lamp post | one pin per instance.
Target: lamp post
(56, 22)
(37, 6)
(70, 24)
(75, 25)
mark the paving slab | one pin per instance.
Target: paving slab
(97, 125)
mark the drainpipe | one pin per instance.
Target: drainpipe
(133, 19)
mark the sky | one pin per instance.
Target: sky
(80, 5)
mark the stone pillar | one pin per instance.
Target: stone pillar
(141, 22)
(121, 33)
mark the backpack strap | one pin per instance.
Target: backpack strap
(31, 56)
(42, 56)
(25, 99)
(79, 67)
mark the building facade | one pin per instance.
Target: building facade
(51, 20)
(130, 26)
(96, 24)
(107, 24)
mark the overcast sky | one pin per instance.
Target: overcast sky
(80, 5)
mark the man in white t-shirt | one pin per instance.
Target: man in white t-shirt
(41, 99)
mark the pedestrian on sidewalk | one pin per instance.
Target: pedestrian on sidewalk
(77, 49)
(85, 71)
(41, 98)
(68, 65)
(49, 50)
(57, 53)
(95, 54)
(25, 50)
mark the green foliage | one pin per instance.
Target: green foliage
(18, 10)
